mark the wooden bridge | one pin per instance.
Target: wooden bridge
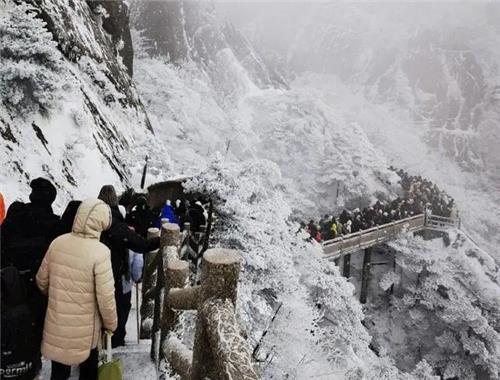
(363, 239)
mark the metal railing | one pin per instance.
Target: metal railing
(441, 222)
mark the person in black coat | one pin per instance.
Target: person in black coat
(29, 228)
(119, 238)
(68, 217)
(196, 217)
(141, 217)
(181, 213)
(344, 217)
(26, 234)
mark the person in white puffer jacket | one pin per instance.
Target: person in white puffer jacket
(76, 276)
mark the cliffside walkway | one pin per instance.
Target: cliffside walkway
(363, 239)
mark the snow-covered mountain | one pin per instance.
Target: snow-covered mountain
(218, 95)
(191, 31)
(270, 148)
(438, 64)
(421, 80)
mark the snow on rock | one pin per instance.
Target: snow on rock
(194, 33)
(329, 161)
(94, 131)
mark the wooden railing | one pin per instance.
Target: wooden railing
(220, 351)
(191, 246)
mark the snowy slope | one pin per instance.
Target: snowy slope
(268, 155)
(93, 129)
(420, 79)
(327, 160)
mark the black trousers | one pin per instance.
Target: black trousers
(123, 306)
(88, 369)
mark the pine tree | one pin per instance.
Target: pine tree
(30, 64)
(448, 322)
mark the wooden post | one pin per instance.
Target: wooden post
(169, 237)
(220, 351)
(346, 268)
(232, 355)
(179, 356)
(365, 275)
(177, 273)
(148, 285)
(219, 280)
(158, 305)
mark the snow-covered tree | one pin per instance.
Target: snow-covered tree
(448, 304)
(30, 65)
(318, 329)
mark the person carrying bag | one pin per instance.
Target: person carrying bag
(110, 369)
(77, 277)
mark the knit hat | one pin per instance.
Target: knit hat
(42, 191)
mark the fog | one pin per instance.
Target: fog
(292, 29)
(437, 60)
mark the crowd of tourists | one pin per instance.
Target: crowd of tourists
(420, 195)
(67, 279)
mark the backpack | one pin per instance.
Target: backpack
(20, 358)
(26, 234)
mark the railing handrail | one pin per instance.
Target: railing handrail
(443, 218)
(352, 242)
(219, 348)
(214, 299)
(372, 229)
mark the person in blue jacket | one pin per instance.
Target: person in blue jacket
(168, 213)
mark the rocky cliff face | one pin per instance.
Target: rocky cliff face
(184, 31)
(445, 87)
(95, 29)
(94, 128)
(434, 62)
(116, 24)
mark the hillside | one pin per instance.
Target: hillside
(69, 109)
(421, 80)
(90, 88)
